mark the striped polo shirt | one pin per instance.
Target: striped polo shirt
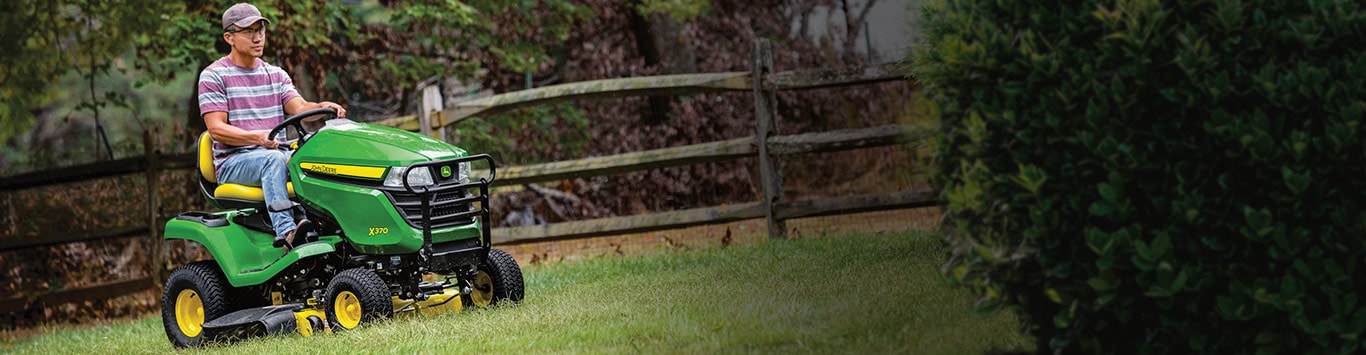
(253, 98)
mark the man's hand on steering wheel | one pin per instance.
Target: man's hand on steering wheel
(341, 112)
(296, 121)
(267, 142)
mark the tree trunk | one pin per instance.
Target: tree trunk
(664, 44)
(852, 24)
(194, 122)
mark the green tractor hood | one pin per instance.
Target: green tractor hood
(357, 144)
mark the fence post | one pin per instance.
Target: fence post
(431, 107)
(157, 254)
(765, 113)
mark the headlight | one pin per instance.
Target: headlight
(463, 173)
(419, 177)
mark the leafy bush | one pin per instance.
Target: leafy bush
(1153, 176)
(529, 135)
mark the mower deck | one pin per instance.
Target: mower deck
(308, 320)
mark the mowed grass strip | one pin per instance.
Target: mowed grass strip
(846, 294)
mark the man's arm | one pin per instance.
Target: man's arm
(298, 104)
(217, 122)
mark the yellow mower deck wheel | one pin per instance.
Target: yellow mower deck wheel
(482, 294)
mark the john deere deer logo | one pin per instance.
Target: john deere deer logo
(446, 171)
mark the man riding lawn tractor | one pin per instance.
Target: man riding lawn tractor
(387, 220)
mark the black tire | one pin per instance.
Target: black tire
(361, 288)
(504, 277)
(200, 282)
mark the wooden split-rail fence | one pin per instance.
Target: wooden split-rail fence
(762, 81)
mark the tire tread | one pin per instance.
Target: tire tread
(507, 277)
(213, 291)
(376, 302)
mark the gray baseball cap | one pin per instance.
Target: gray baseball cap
(242, 15)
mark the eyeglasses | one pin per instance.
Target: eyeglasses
(251, 32)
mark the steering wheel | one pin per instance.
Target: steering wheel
(297, 121)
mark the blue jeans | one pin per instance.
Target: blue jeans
(264, 168)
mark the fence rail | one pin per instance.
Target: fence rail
(85, 293)
(680, 84)
(824, 142)
(771, 206)
(46, 239)
(94, 170)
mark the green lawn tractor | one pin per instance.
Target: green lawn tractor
(396, 225)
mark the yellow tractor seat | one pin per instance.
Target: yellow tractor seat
(244, 192)
(225, 192)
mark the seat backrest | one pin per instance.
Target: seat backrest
(205, 160)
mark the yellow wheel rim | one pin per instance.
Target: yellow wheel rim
(189, 313)
(482, 295)
(347, 308)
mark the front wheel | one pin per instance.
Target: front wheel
(356, 297)
(195, 293)
(498, 280)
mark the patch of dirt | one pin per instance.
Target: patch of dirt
(722, 235)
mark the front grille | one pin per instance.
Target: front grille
(447, 210)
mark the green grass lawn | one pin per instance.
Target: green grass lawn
(850, 294)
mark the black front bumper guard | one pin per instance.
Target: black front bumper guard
(426, 192)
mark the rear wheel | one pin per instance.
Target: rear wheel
(357, 297)
(498, 280)
(194, 294)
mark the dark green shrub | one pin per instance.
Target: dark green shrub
(1145, 176)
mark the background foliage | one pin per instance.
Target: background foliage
(374, 51)
(44, 40)
(721, 38)
(367, 55)
(371, 56)
(1164, 177)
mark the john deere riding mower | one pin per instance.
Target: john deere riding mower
(397, 224)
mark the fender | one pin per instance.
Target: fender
(247, 257)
